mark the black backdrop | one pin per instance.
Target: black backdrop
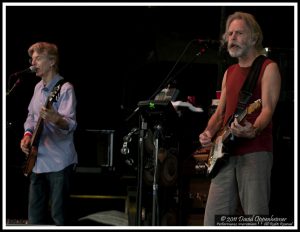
(115, 55)
(118, 55)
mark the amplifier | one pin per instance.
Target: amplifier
(95, 148)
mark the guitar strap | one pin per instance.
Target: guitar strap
(248, 87)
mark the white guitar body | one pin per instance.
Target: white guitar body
(218, 153)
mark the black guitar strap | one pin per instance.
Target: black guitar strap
(250, 83)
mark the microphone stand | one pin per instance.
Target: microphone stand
(168, 79)
(17, 82)
(12, 88)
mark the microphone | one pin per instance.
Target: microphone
(31, 69)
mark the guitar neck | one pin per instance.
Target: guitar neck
(226, 132)
(39, 127)
(241, 116)
(37, 132)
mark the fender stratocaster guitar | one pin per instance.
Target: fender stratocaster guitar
(33, 149)
(217, 154)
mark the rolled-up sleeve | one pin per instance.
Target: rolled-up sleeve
(66, 107)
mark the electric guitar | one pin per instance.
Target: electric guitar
(217, 154)
(33, 148)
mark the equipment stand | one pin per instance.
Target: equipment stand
(143, 127)
(155, 205)
(158, 114)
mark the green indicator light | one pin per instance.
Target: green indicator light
(151, 105)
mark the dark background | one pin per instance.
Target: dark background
(116, 56)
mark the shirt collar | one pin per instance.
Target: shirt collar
(52, 83)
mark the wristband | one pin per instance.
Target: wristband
(28, 132)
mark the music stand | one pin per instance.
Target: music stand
(159, 115)
(157, 111)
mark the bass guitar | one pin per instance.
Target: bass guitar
(33, 148)
(218, 152)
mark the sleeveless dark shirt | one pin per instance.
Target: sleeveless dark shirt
(236, 77)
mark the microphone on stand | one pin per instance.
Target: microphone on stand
(31, 69)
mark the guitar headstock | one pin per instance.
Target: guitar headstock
(54, 94)
(254, 106)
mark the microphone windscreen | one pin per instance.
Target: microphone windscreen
(32, 68)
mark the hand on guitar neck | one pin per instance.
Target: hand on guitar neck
(243, 129)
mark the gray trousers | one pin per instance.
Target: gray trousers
(246, 178)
